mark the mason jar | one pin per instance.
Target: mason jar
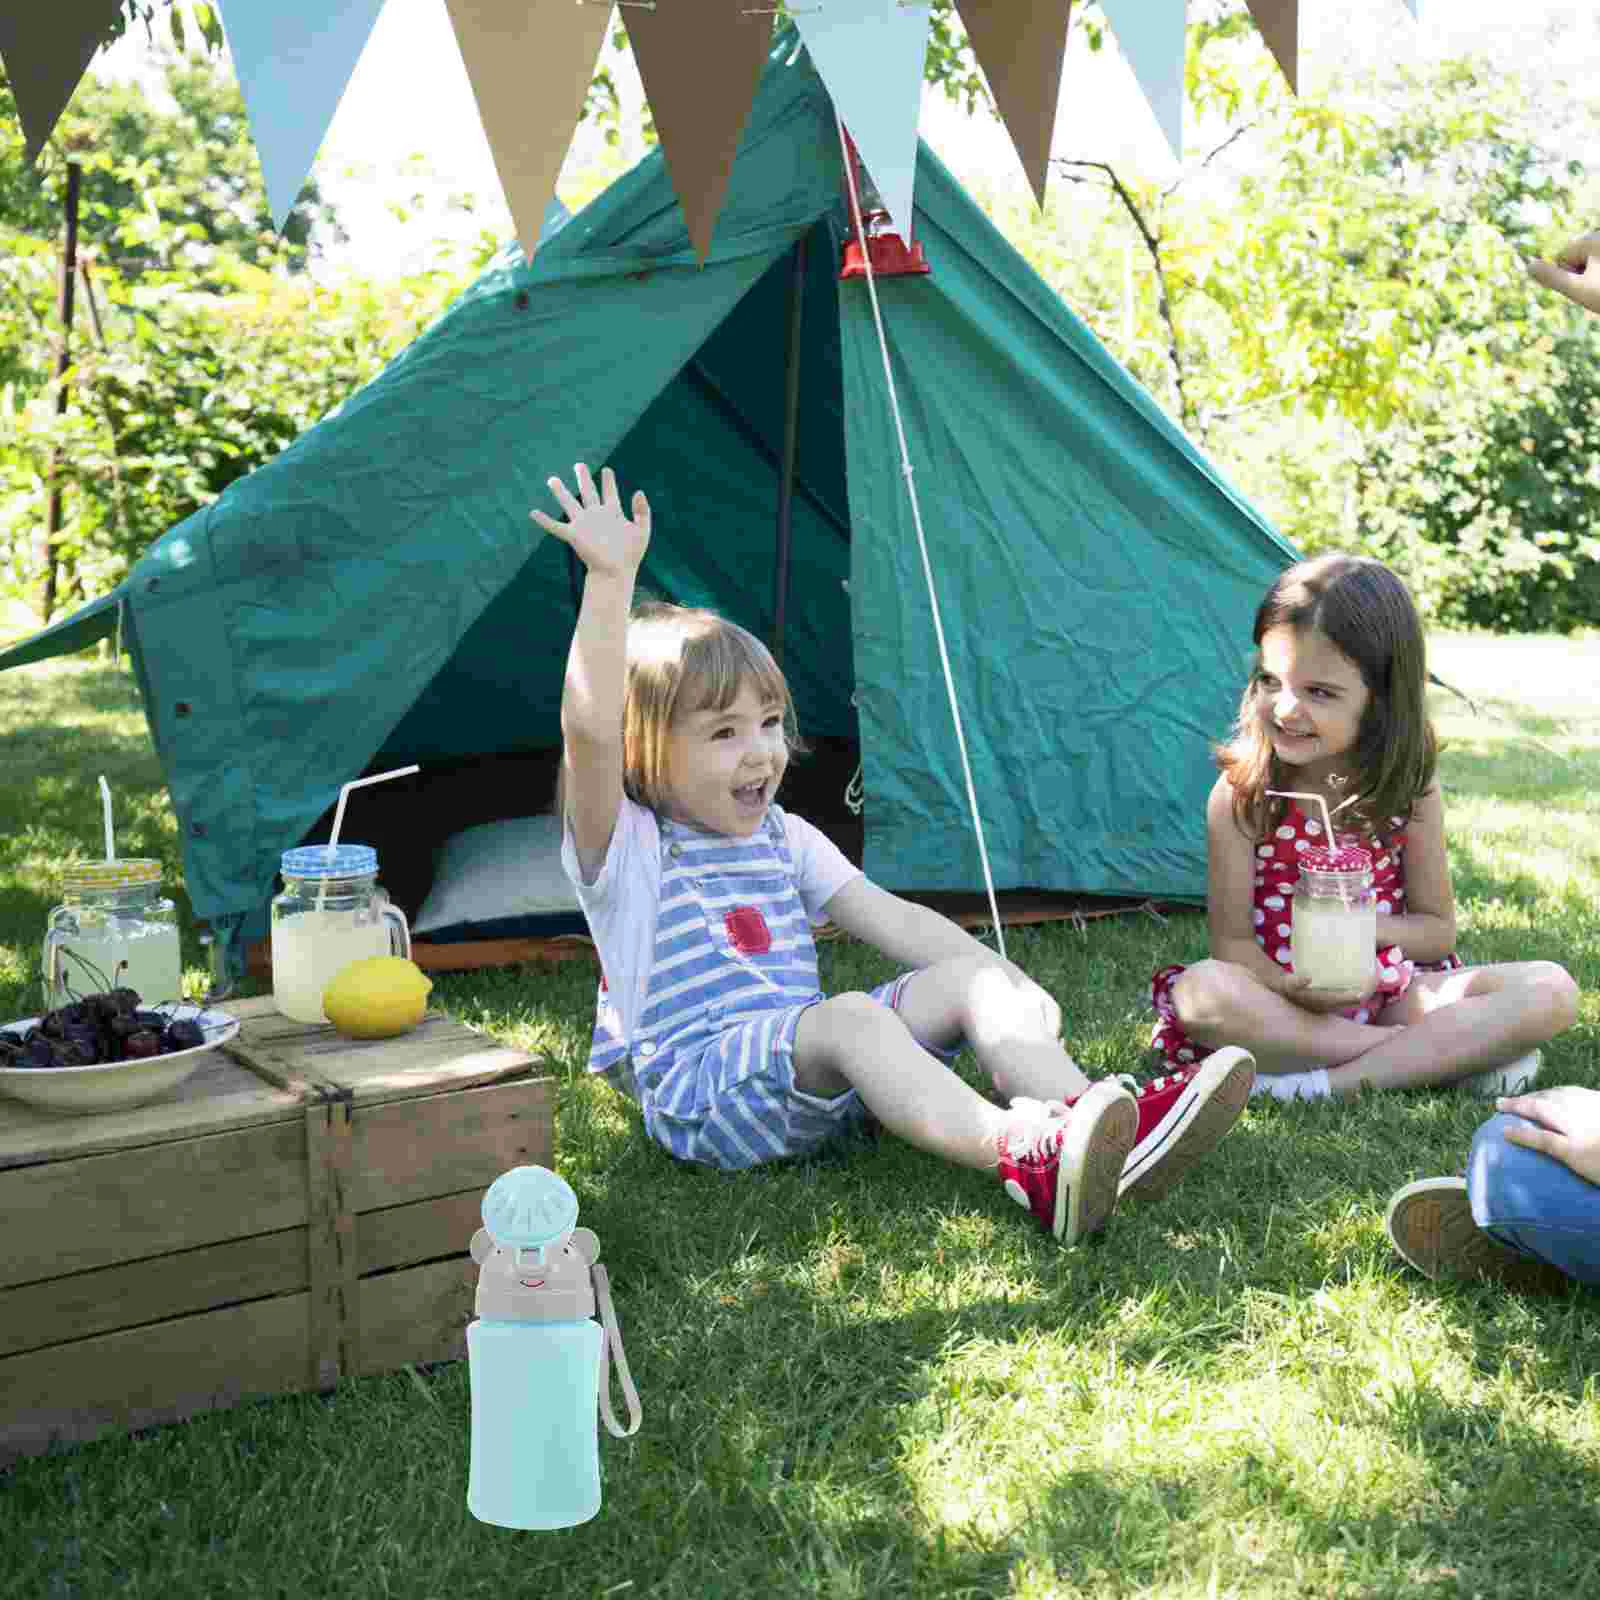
(1333, 936)
(114, 929)
(331, 912)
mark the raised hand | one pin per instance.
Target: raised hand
(1575, 271)
(596, 529)
(1566, 1125)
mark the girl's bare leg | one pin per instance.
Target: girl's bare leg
(852, 1041)
(974, 999)
(1220, 1003)
(1449, 1024)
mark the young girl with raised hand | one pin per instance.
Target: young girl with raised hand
(1335, 708)
(700, 893)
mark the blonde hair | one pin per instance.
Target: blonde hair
(683, 659)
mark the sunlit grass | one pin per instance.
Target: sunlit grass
(868, 1374)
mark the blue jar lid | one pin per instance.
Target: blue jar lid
(313, 861)
(529, 1206)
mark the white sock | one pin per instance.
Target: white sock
(1311, 1085)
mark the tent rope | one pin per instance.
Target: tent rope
(907, 471)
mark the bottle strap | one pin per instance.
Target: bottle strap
(613, 1341)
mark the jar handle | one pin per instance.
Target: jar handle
(392, 914)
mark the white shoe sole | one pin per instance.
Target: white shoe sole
(1431, 1226)
(1100, 1131)
(1516, 1077)
(1209, 1105)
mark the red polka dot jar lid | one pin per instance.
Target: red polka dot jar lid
(1347, 858)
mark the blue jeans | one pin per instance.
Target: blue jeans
(1533, 1203)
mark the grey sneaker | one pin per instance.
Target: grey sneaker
(1430, 1223)
(1516, 1077)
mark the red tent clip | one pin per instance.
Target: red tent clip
(889, 255)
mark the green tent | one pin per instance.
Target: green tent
(377, 594)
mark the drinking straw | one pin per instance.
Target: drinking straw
(105, 808)
(338, 814)
(1327, 820)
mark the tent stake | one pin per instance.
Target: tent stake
(791, 425)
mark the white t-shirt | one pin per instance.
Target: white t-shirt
(622, 903)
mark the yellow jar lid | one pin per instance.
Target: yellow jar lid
(129, 874)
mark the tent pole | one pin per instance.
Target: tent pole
(791, 424)
(63, 364)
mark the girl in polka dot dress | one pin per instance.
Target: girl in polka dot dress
(1335, 708)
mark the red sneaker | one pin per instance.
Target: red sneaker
(1182, 1116)
(1064, 1164)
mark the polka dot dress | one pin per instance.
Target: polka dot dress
(1277, 872)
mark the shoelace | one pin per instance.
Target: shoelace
(1044, 1120)
(1132, 1084)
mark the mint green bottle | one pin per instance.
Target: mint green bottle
(537, 1359)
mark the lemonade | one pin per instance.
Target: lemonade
(1334, 944)
(90, 961)
(311, 949)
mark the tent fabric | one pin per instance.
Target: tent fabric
(378, 593)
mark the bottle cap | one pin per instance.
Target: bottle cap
(529, 1206)
(313, 861)
(102, 875)
(1347, 858)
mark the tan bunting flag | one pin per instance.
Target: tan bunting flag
(530, 67)
(46, 46)
(699, 62)
(1279, 22)
(1019, 45)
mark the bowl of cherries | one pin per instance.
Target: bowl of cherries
(107, 1051)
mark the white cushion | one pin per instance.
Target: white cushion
(496, 870)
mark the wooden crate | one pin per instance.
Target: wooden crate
(298, 1211)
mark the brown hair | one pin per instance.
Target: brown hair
(1367, 614)
(683, 659)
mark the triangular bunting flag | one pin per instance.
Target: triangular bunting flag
(46, 49)
(869, 54)
(530, 68)
(1279, 22)
(699, 62)
(1020, 46)
(1415, 8)
(1151, 34)
(293, 59)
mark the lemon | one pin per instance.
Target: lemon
(376, 997)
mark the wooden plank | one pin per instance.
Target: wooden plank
(401, 1236)
(415, 1149)
(79, 1391)
(222, 1094)
(439, 1054)
(58, 1310)
(330, 1241)
(102, 1210)
(416, 1315)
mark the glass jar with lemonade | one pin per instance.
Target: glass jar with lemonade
(331, 912)
(114, 929)
(1333, 935)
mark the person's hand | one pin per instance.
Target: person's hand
(604, 540)
(1566, 1125)
(1575, 271)
(1321, 1002)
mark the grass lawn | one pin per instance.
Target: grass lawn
(870, 1375)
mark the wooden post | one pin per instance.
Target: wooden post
(64, 302)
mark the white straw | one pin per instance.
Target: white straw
(105, 807)
(338, 814)
(1327, 820)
